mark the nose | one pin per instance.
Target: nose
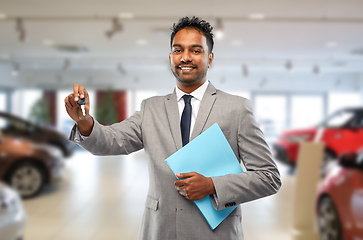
(186, 57)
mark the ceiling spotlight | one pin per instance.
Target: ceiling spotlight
(116, 27)
(141, 42)
(288, 66)
(219, 32)
(126, 15)
(331, 44)
(48, 42)
(316, 70)
(15, 70)
(236, 43)
(121, 69)
(263, 82)
(2, 15)
(245, 70)
(19, 27)
(66, 65)
(256, 16)
(338, 82)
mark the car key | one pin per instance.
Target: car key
(81, 102)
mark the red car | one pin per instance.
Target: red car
(339, 202)
(341, 132)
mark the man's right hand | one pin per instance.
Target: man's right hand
(84, 123)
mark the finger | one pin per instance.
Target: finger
(86, 95)
(186, 175)
(179, 183)
(66, 103)
(81, 91)
(71, 101)
(183, 192)
(75, 92)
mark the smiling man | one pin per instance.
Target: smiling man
(167, 123)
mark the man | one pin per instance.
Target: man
(161, 129)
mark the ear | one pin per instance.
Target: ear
(211, 57)
(170, 57)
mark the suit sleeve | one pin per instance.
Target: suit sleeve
(120, 138)
(262, 177)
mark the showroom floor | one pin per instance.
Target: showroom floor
(103, 198)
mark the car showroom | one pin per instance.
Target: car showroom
(300, 63)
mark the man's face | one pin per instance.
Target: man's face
(189, 57)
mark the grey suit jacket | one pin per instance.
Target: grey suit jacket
(156, 128)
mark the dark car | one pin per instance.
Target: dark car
(339, 201)
(28, 166)
(11, 125)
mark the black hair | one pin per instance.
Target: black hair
(199, 24)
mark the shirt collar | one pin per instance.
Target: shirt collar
(197, 93)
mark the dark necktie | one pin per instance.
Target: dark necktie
(186, 119)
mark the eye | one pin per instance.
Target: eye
(177, 51)
(197, 51)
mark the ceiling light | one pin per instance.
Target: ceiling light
(116, 27)
(19, 27)
(245, 70)
(236, 43)
(121, 69)
(66, 65)
(331, 44)
(218, 30)
(2, 16)
(263, 82)
(48, 42)
(126, 15)
(141, 42)
(316, 70)
(288, 66)
(15, 70)
(256, 16)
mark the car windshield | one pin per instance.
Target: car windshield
(338, 119)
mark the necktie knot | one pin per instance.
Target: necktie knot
(187, 98)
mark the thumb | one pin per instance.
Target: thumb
(185, 175)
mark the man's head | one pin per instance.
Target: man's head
(199, 24)
(191, 52)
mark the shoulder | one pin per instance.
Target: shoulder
(224, 96)
(156, 99)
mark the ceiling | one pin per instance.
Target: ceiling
(295, 36)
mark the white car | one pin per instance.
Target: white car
(12, 214)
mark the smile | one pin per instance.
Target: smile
(186, 68)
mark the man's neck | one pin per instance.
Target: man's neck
(189, 88)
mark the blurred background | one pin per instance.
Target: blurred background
(300, 62)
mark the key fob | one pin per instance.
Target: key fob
(81, 101)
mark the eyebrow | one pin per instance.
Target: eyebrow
(193, 46)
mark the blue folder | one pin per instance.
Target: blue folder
(211, 155)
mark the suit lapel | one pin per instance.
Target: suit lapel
(204, 110)
(172, 111)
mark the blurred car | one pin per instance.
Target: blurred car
(28, 166)
(12, 214)
(341, 132)
(11, 125)
(339, 202)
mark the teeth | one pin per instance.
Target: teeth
(186, 68)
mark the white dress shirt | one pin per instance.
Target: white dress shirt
(197, 96)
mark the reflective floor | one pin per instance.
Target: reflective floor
(103, 198)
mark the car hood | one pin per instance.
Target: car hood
(310, 131)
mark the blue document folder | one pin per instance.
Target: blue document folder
(210, 155)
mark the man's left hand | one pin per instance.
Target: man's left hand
(195, 186)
